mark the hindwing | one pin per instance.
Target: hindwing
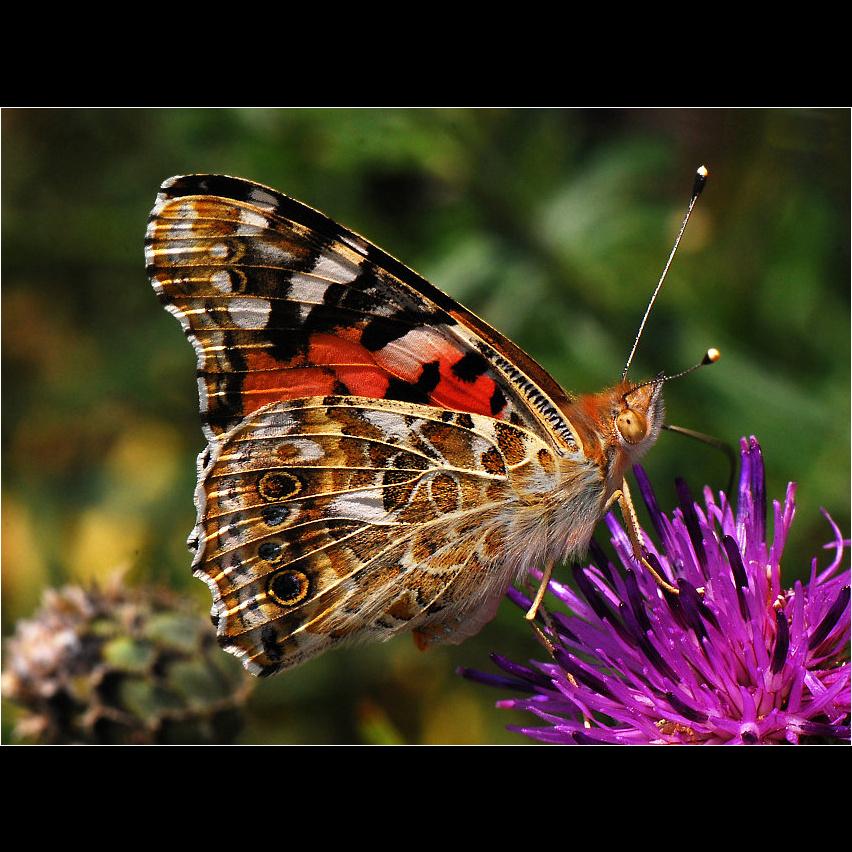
(327, 520)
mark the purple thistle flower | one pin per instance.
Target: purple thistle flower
(733, 658)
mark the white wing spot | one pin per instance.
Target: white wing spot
(364, 505)
(336, 269)
(306, 289)
(252, 220)
(221, 280)
(263, 198)
(250, 313)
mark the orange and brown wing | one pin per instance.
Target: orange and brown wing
(280, 302)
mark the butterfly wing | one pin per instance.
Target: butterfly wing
(280, 302)
(374, 449)
(332, 519)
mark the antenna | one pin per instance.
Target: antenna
(697, 186)
(716, 443)
(710, 357)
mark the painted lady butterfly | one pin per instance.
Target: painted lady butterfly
(379, 459)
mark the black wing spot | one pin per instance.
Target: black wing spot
(498, 401)
(470, 367)
(404, 392)
(429, 378)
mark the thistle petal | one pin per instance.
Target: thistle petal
(733, 658)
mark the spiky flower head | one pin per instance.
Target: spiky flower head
(734, 657)
(120, 665)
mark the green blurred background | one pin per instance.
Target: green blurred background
(552, 224)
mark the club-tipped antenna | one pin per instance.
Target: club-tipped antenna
(697, 186)
(711, 356)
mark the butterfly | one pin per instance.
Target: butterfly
(379, 459)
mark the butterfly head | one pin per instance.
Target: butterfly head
(619, 425)
(638, 416)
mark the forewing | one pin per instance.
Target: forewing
(280, 303)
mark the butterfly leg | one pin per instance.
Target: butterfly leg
(628, 512)
(544, 637)
(539, 595)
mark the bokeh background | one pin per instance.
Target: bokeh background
(553, 224)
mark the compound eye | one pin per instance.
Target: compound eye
(632, 425)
